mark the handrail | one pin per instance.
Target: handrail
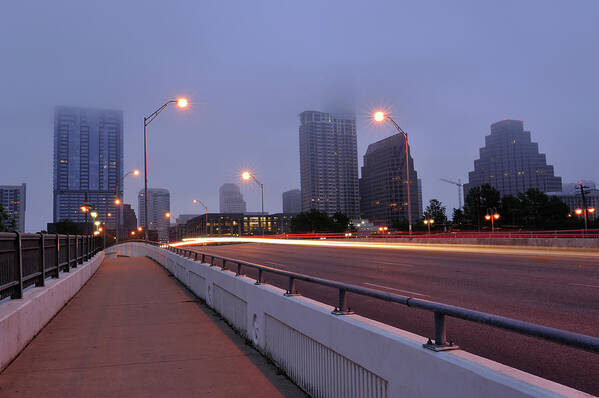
(27, 259)
(440, 310)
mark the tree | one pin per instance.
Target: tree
(67, 227)
(436, 211)
(6, 224)
(510, 210)
(457, 218)
(318, 221)
(478, 201)
(340, 222)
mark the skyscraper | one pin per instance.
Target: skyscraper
(159, 207)
(88, 161)
(12, 199)
(129, 219)
(292, 201)
(511, 162)
(231, 199)
(383, 186)
(329, 163)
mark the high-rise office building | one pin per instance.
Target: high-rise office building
(329, 163)
(383, 186)
(292, 201)
(511, 162)
(88, 161)
(231, 199)
(159, 207)
(129, 219)
(12, 199)
(420, 204)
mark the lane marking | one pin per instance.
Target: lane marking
(387, 263)
(273, 264)
(582, 284)
(398, 290)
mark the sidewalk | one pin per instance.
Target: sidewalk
(132, 331)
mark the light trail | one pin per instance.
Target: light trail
(397, 246)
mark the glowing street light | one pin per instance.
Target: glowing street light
(181, 103)
(578, 211)
(380, 117)
(492, 215)
(167, 214)
(428, 222)
(93, 213)
(117, 202)
(246, 176)
(97, 223)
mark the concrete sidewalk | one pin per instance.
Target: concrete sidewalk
(133, 331)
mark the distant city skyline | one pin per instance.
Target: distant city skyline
(159, 209)
(249, 70)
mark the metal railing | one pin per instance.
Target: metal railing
(440, 311)
(28, 259)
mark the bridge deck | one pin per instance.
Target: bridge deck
(133, 331)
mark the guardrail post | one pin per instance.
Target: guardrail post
(68, 267)
(212, 261)
(440, 338)
(440, 335)
(203, 258)
(238, 269)
(260, 279)
(41, 281)
(57, 256)
(19, 267)
(224, 264)
(196, 256)
(342, 308)
(291, 291)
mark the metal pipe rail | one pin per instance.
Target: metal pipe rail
(27, 259)
(440, 311)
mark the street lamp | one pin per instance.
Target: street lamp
(196, 201)
(586, 211)
(492, 215)
(246, 176)
(117, 202)
(428, 222)
(181, 103)
(379, 117)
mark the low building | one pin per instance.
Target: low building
(237, 224)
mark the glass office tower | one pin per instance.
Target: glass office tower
(88, 162)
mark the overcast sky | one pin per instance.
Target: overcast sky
(446, 69)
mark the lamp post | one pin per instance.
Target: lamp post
(379, 117)
(428, 222)
(492, 215)
(196, 201)
(246, 176)
(181, 103)
(585, 211)
(118, 201)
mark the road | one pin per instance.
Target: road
(556, 289)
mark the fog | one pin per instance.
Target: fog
(447, 70)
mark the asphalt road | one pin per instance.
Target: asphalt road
(557, 290)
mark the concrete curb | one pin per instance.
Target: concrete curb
(21, 320)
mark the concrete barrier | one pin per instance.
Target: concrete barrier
(547, 243)
(22, 319)
(343, 356)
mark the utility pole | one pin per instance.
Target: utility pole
(583, 192)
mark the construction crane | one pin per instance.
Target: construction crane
(460, 188)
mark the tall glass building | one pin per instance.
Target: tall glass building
(329, 163)
(88, 162)
(511, 162)
(383, 186)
